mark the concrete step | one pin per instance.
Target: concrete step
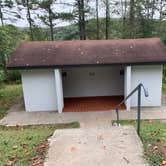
(115, 146)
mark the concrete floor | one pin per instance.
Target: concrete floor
(116, 146)
(17, 116)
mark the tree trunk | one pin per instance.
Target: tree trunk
(1, 15)
(160, 17)
(107, 20)
(148, 9)
(29, 20)
(132, 18)
(51, 25)
(81, 22)
(124, 19)
(97, 19)
(153, 9)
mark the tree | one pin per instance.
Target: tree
(132, 19)
(1, 13)
(6, 12)
(9, 38)
(97, 19)
(4, 49)
(107, 18)
(49, 15)
(28, 5)
(80, 12)
(161, 8)
(124, 17)
(81, 19)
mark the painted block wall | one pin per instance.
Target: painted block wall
(127, 85)
(151, 77)
(39, 90)
(96, 81)
(59, 90)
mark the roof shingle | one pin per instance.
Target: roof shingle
(48, 54)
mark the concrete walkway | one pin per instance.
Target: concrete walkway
(116, 146)
(17, 116)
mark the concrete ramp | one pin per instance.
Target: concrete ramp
(114, 146)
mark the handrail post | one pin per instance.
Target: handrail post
(138, 88)
(139, 110)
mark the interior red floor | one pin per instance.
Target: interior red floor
(83, 104)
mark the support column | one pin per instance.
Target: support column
(59, 90)
(127, 86)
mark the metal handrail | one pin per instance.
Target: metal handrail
(138, 88)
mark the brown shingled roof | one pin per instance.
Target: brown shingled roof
(49, 54)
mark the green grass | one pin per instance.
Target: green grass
(153, 133)
(9, 95)
(18, 144)
(164, 87)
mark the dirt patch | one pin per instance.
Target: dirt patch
(41, 151)
(158, 148)
(162, 148)
(163, 121)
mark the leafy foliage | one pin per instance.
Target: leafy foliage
(6, 12)
(9, 39)
(9, 95)
(164, 38)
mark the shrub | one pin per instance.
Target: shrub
(164, 38)
(14, 76)
(2, 76)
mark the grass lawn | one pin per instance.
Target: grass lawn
(153, 135)
(23, 146)
(9, 95)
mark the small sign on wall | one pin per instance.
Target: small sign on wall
(91, 73)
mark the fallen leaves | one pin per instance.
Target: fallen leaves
(41, 150)
(37, 161)
(73, 149)
(158, 148)
(14, 147)
(104, 147)
(11, 161)
(164, 163)
(27, 152)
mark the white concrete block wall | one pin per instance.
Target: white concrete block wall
(59, 90)
(151, 77)
(43, 89)
(39, 90)
(93, 81)
(127, 85)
